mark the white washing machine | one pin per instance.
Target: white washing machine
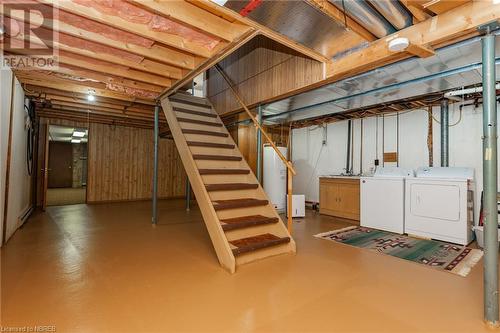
(382, 199)
(440, 204)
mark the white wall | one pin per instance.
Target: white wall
(312, 159)
(19, 192)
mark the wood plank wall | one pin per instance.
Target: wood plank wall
(261, 69)
(120, 163)
(246, 138)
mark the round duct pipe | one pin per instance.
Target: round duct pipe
(394, 12)
(364, 14)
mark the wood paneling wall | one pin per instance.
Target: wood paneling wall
(261, 69)
(120, 163)
(247, 141)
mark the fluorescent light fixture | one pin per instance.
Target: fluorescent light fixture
(75, 140)
(399, 44)
(2, 30)
(90, 98)
(79, 134)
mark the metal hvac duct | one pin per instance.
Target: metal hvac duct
(393, 12)
(364, 14)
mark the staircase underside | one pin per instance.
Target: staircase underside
(242, 224)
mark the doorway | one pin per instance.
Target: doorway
(67, 166)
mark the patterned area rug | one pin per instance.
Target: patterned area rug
(444, 256)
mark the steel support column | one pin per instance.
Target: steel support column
(445, 122)
(259, 145)
(490, 179)
(155, 171)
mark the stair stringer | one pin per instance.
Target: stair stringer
(217, 235)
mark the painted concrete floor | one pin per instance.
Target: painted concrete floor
(66, 196)
(103, 268)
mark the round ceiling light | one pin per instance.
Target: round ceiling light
(399, 44)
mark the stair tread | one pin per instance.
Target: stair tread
(246, 221)
(224, 171)
(210, 144)
(230, 186)
(192, 131)
(217, 157)
(248, 244)
(238, 203)
(198, 113)
(201, 122)
(185, 101)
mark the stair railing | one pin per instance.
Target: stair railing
(290, 169)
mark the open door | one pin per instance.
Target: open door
(45, 166)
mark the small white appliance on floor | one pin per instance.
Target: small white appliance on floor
(382, 199)
(440, 204)
(298, 205)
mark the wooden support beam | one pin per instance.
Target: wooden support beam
(91, 84)
(420, 51)
(195, 17)
(156, 52)
(106, 78)
(74, 86)
(326, 7)
(228, 13)
(42, 92)
(175, 41)
(451, 24)
(419, 14)
(442, 6)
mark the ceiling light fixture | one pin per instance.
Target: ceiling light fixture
(398, 44)
(79, 134)
(90, 98)
(75, 140)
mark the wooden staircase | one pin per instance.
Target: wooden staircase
(243, 226)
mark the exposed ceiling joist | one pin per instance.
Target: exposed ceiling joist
(195, 17)
(74, 86)
(419, 14)
(441, 6)
(155, 52)
(136, 28)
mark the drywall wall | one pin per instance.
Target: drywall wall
(14, 169)
(312, 159)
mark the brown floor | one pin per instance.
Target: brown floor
(103, 268)
(65, 196)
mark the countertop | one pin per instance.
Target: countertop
(339, 176)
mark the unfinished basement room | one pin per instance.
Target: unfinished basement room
(249, 166)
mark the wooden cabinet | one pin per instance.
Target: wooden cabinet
(339, 197)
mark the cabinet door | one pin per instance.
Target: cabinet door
(348, 194)
(328, 196)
